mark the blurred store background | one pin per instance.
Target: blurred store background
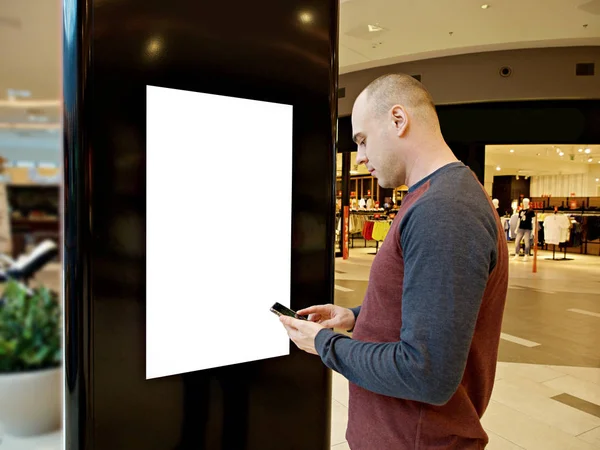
(30, 267)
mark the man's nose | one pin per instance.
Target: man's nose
(361, 157)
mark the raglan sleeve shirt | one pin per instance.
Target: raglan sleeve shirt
(446, 268)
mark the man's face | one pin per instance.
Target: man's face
(378, 144)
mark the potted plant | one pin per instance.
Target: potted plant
(30, 360)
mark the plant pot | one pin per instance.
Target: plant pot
(31, 402)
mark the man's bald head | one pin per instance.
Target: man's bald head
(400, 89)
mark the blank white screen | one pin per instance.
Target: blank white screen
(215, 260)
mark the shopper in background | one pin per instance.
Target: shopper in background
(422, 359)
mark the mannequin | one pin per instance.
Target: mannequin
(496, 203)
(362, 203)
(525, 229)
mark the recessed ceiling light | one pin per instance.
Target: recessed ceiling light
(306, 17)
(580, 150)
(597, 179)
(561, 153)
(588, 151)
(374, 28)
(590, 159)
(154, 46)
(539, 154)
(498, 168)
(512, 150)
(485, 6)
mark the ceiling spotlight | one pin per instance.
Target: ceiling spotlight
(517, 177)
(306, 17)
(580, 150)
(512, 150)
(587, 151)
(590, 159)
(561, 153)
(485, 6)
(527, 177)
(597, 179)
(154, 46)
(539, 154)
(374, 28)
(498, 168)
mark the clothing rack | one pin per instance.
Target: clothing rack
(369, 227)
(584, 243)
(554, 258)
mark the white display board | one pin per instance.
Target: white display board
(214, 262)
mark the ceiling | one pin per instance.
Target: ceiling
(29, 126)
(531, 160)
(410, 30)
(422, 29)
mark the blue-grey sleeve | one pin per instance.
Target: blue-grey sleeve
(446, 268)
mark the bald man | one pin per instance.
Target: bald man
(422, 357)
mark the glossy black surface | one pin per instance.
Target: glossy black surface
(258, 50)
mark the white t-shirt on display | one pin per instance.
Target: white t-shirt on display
(556, 228)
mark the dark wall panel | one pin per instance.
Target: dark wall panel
(257, 50)
(468, 128)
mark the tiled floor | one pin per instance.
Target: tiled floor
(547, 391)
(547, 395)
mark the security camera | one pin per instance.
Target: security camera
(505, 72)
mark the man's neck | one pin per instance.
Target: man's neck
(427, 162)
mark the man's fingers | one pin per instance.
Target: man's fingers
(290, 322)
(317, 309)
(331, 323)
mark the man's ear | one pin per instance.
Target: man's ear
(400, 119)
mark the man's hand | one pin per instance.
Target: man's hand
(330, 316)
(302, 333)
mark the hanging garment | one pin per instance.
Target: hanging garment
(565, 229)
(593, 228)
(368, 231)
(576, 234)
(541, 233)
(514, 223)
(556, 229)
(380, 230)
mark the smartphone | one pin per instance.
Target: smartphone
(281, 310)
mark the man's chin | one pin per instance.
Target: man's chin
(385, 185)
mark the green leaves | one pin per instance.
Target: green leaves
(30, 329)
